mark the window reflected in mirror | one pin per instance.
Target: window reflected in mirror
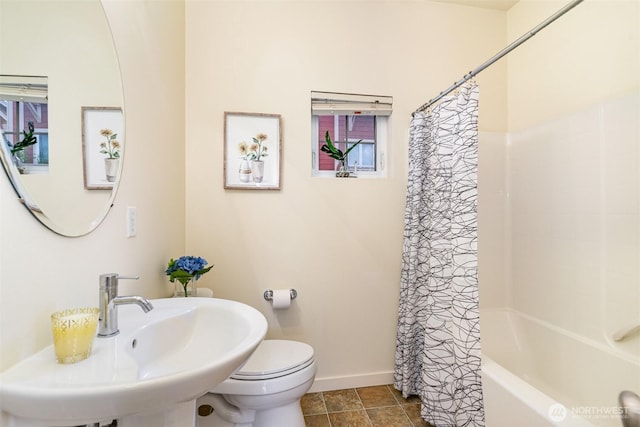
(24, 121)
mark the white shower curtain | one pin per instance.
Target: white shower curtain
(438, 339)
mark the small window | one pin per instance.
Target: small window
(14, 119)
(348, 119)
(24, 101)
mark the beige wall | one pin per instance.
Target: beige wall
(41, 272)
(338, 242)
(589, 55)
(573, 167)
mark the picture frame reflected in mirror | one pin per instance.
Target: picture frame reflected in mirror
(102, 144)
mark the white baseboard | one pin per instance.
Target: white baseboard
(351, 381)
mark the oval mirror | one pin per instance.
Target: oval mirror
(61, 111)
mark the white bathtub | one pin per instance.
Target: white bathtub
(537, 375)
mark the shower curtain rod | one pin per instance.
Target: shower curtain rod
(500, 54)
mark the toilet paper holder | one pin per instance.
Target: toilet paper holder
(268, 294)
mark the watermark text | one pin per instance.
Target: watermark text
(558, 412)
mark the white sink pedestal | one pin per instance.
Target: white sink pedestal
(181, 415)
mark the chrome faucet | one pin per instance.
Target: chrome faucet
(109, 300)
(630, 404)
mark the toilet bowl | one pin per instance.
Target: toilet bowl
(265, 391)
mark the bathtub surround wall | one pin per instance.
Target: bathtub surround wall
(267, 57)
(589, 57)
(573, 169)
(574, 212)
(574, 218)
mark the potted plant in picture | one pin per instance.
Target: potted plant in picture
(187, 270)
(110, 147)
(337, 154)
(257, 150)
(17, 150)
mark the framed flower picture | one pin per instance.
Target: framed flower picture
(102, 136)
(252, 150)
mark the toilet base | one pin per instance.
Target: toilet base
(263, 401)
(228, 415)
(288, 415)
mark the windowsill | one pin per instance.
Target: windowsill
(362, 175)
(35, 170)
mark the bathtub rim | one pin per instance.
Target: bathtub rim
(529, 396)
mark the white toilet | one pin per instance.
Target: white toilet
(265, 392)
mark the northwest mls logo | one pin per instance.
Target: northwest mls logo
(557, 412)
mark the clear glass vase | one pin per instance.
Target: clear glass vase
(188, 289)
(343, 170)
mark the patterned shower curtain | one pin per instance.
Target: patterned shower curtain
(438, 339)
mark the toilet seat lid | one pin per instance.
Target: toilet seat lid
(275, 358)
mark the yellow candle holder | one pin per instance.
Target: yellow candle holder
(73, 333)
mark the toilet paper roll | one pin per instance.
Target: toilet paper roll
(281, 299)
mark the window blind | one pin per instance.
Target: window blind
(23, 88)
(328, 103)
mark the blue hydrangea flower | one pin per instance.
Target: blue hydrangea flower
(185, 268)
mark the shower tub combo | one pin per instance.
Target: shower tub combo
(536, 375)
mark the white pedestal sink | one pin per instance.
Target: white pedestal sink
(149, 374)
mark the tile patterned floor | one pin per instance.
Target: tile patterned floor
(379, 406)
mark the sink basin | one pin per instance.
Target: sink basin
(173, 354)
